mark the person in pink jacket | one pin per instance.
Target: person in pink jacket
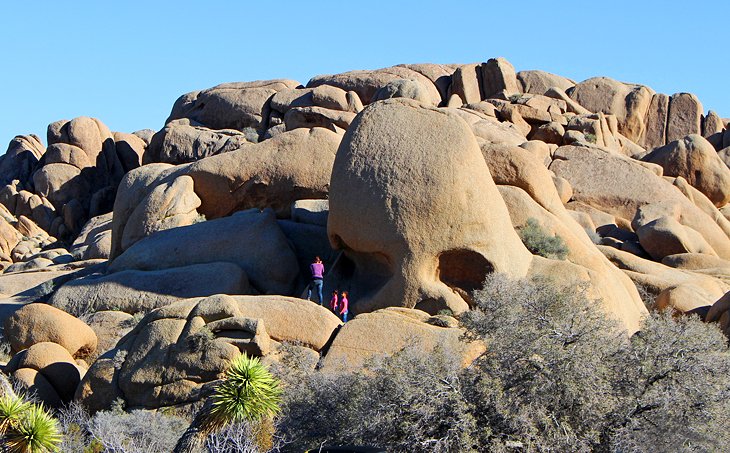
(334, 301)
(344, 306)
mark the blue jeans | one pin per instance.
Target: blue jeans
(316, 283)
(344, 316)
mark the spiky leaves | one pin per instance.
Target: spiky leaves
(34, 431)
(249, 392)
(12, 407)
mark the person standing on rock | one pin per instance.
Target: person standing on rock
(344, 306)
(317, 269)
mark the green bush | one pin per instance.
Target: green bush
(540, 242)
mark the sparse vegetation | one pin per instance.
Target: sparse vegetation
(540, 242)
(515, 97)
(558, 375)
(590, 138)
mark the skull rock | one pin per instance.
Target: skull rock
(414, 207)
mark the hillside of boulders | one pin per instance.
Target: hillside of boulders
(135, 266)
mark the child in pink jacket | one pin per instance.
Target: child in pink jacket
(344, 306)
(334, 301)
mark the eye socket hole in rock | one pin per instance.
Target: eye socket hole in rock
(464, 271)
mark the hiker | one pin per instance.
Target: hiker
(317, 269)
(344, 306)
(334, 301)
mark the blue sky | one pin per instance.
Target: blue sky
(126, 62)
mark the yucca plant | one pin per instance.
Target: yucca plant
(35, 431)
(247, 393)
(12, 407)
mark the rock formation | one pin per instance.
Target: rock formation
(157, 256)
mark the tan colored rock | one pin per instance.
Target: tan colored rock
(135, 291)
(130, 150)
(465, 83)
(309, 117)
(694, 159)
(619, 186)
(385, 332)
(402, 88)
(629, 103)
(666, 236)
(685, 116)
(235, 105)
(110, 327)
(655, 134)
(37, 323)
(538, 82)
(20, 159)
(179, 351)
(656, 277)
(274, 173)
(61, 183)
(169, 205)
(438, 74)
(551, 132)
(572, 106)
(685, 298)
(54, 363)
(250, 239)
(133, 188)
(182, 141)
(712, 124)
(695, 261)
(584, 265)
(394, 141)
(367, 83)
(95, 239)
(9, 237)
(63, 153)
(497, 75)
(34, 382)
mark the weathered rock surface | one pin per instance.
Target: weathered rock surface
(387, 331)
(49, 370)
(230, 105)
(406, 167)
(694, 158)
(37, 323)
(274, 173)
(250, 239)
(134, 291)
(176, 352)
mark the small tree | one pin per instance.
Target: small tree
(248, 392)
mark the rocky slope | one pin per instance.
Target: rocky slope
(136, 265)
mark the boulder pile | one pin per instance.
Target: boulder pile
(135, 266)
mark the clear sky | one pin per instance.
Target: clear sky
(126, 62)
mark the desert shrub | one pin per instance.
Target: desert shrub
(137, 431)
(235, 438)
(558, 374)
(540, 242)
(408, 402)
(251, 134)
(590, 138)
(674, 387)
(546, 379)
